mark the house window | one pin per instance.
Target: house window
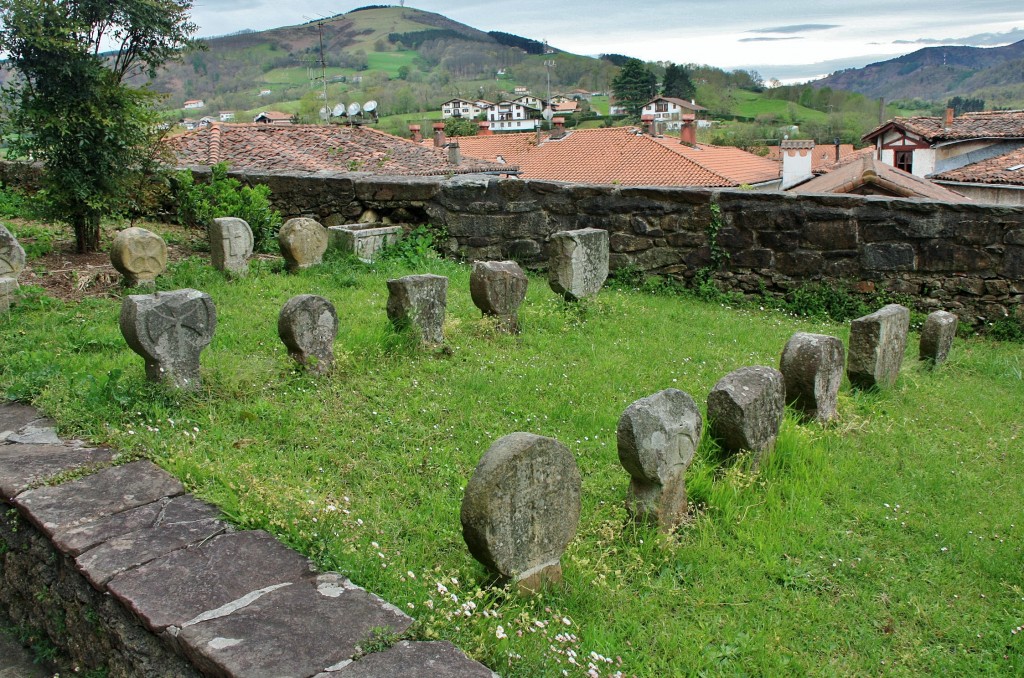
(905, 161)
(661, 107)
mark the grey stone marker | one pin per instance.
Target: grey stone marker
(745, 410)
(364, 240)
(419, 301)
(139, 255)
(657, 438)
(937, 336)
(877, 343)
(521, 509)
(12, 254)
(308, 325)
(812, 367)
(578, 262)
(498, 288)
(231, 244)
(303, 242)
(8, 288)
(169, 330)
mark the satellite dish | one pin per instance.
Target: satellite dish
(325, 113)
(370, 106)
(338, 111)
(353, 108)
(548, 114)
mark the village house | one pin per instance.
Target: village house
(980, 155)
(670, 112)
(461, 108)
(531, 102)
(193, 104)
(274, 118)
(510, 116)
(226, 116)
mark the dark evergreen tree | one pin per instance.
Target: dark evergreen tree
(634, 86)
(677, 83)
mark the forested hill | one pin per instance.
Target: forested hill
(995, 74)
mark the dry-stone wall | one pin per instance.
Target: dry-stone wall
(967, 259)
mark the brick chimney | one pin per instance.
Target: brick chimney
(949, 118)
(559, 131)
(414, 131)
(796, 162)
(688, 130)
(439, 137)
(648, 123)
(485, 129)
(454, 153)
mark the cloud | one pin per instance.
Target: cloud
(768, 39)
(795, 28)
(977, 40)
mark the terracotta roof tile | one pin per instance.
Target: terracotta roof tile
(982, 125)
(621, 155)
(312, 148)
(1004, 169)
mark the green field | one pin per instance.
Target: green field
(885, 544)
(752, 104)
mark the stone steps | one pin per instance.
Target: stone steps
(231, 603)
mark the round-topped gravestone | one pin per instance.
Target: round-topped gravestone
(169, 330)
(12, 254)
(812, 367)
(303, 242)
(308, 325)
(231, 244)
(521, 509)
(497, 289)
(139, 255)
(745, 410)
(657, 438)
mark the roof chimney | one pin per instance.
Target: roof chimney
(648, 122)
(454, 154)
(485, 128)
(836, 141)
(688, 130)
(439, 138)
(559, 123)
(949, 118)
(796, 162)
(414, 130)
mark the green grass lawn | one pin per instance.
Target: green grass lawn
(889, 543)
(390, 62)
(751, 104)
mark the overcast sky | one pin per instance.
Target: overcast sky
(788, 40)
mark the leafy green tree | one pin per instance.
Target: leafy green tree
(677, 83)
(634, 86)
(69, 105)
(460, 127)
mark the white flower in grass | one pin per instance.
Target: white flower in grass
(499, 632)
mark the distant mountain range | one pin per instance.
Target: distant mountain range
(995, 74)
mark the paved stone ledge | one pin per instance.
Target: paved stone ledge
(126, 571)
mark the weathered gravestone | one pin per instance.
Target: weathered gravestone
(812, 367)
(498, 288)
(521, 509)
(578, 262)
(419, 301)
(745, 410)
(657, 438)
(877, 343)
(937, 337)
(366, 241)
(231, 244)
(139, 255)
(169, 330)
(308, 325)
(303, 242)
(12, 263)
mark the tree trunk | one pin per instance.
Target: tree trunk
(87, 232)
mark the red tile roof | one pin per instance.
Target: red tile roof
(1004, 169)
(822, 157)
(621, 155)
(982, 125)
(312, 148)
(866, 175)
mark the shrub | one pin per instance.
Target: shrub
(1007, 329)
(224, 196)
(417, 247)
